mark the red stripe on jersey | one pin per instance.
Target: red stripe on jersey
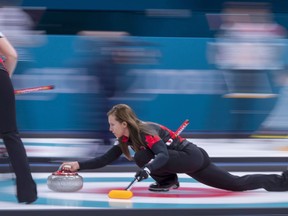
(181, 139)
(151, 140)
(171, 133)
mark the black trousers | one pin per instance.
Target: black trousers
(25, 185)
(195, 162)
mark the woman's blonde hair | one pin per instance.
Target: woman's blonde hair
(124, 113)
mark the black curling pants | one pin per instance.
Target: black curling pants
(25, 185)
(195, 162)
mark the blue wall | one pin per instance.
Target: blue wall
(177, 83)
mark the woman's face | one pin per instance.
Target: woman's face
(117, 128)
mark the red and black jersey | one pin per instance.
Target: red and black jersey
(165, 134)
(160, 133)
(155, 142)
(2, 66)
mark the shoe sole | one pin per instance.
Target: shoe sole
(164, 189)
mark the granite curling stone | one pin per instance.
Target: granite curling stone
(65, 181)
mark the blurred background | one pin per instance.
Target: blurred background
(220, 64)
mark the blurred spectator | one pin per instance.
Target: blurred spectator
(98, 57)
(249, 47)
(107, 57)
(249, 44)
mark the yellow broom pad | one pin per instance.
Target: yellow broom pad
(120, 194)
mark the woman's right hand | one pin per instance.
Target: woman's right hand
(71, 166)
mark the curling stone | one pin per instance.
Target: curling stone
(65, 181)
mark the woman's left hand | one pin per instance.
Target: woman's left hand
(142, 174)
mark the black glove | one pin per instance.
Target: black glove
(142, 174)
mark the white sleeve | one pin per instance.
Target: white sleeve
(1, 35)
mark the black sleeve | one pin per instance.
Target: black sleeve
(161, 156)
(105, 159)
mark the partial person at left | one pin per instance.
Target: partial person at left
(26, 188)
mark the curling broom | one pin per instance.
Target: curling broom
(127, 193)
(33, 89)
